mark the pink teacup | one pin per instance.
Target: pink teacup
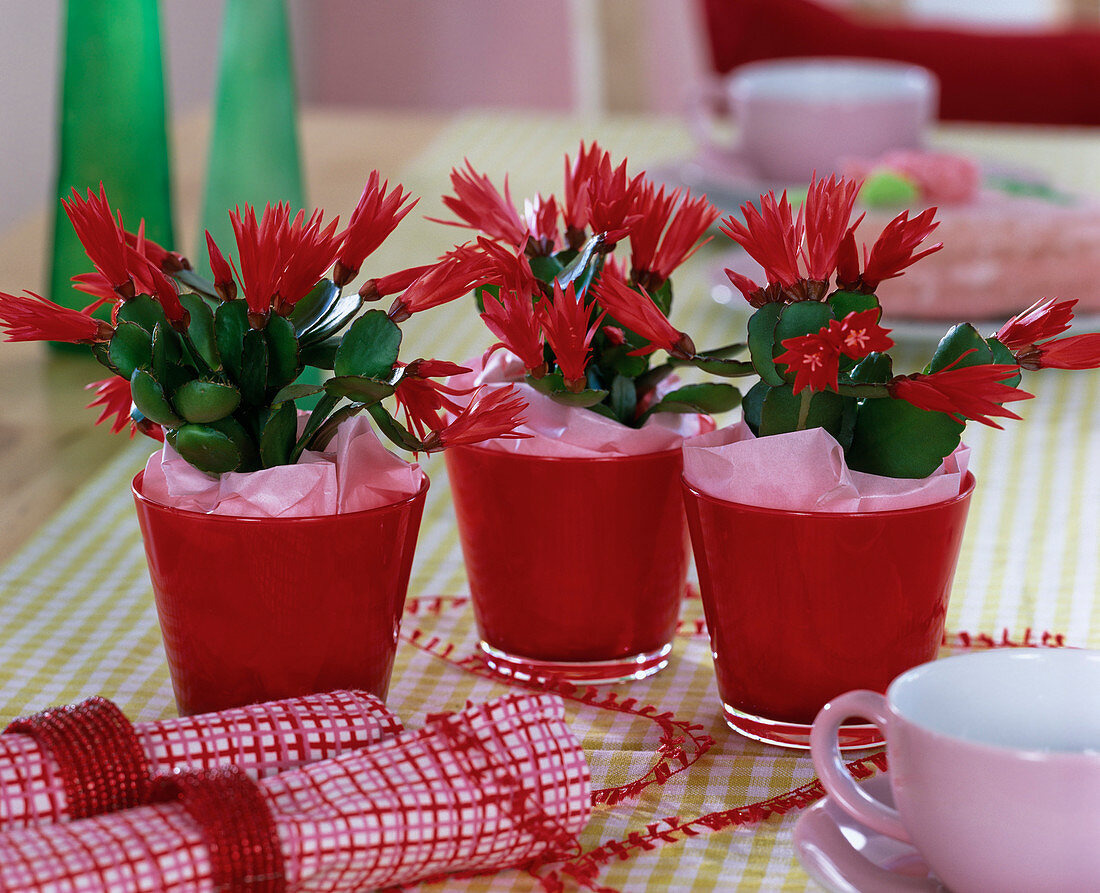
(795, 116)
(994, 767)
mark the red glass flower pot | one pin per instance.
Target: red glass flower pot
(576, 566)
(804, 606)
(255, 609)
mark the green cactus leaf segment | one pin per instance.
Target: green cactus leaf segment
(896, 439)
(277, 439)
(207, 449)
(206, 401)
(131, 348)
(369, 347)
(149, 398)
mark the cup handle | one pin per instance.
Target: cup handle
(839, 784)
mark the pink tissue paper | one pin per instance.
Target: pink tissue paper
(356, 475)
(805, 471)
(568, 431)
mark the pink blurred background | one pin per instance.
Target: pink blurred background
(584, 56)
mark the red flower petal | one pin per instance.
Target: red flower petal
(566, 322)
(772, 236)
(893, 249)
(101, 234)
(492, 413)
(35, 318)
(814, 359)
(1044, 319)
(637, 311)
(374, 218)
(479, 205)
(972, 392)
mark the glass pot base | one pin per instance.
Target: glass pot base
(592, 672)
(854, 736)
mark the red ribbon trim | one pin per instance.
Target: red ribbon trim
(237, 827)
(99, 758)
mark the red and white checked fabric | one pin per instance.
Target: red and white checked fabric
(260, 739)
(499, 784)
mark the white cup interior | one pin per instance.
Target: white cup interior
(1026, 699)
(822, 80)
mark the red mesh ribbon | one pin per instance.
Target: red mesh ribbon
(100, 761)
(237, 827)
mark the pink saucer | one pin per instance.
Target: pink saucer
(845, 856)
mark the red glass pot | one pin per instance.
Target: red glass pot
(576, 566)
(255, 609)
(804, 606)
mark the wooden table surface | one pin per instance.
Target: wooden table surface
(48, 444)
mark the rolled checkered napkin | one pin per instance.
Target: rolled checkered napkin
(51, 763)
(496, 785)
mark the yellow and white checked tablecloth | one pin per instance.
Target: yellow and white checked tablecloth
(694, 805)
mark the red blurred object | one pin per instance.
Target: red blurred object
(253, 609)
(576, 566)
(802, 607)
(1038, 77)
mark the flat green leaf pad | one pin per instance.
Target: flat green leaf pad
(149, 398)
(206, 401)
(207, 449)
(370, 347)
(896, 439)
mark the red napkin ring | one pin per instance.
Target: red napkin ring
(237, 827)
(99, 758)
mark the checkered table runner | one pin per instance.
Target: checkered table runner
(681, 802)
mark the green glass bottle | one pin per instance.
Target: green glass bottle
(113, 128)
(254, 145)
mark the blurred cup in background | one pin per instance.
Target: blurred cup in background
(792, 117)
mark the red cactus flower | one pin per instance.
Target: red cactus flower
(307, 251)
(541, 217)
(480, 206)
(968, 392)
(1044, 319)
(376, 289)
(511, 317)
(1075, 352)
(223, 273)
(374, 218)
(167, 261)
(847, 260)
(612, 196)
(577, 207)
(449, 279)
(814, 359)
(113, 394)
(280, 260)
(102, 236)
(96, 285)
(828, 210)
(637, 311)
(894, 249)
(566, 322)
(492, 413)
(165, 293)
(35, 318)
(772, 236)
(654, 208)
(259, 253)
(859, 334)
(424, 401)
(509, 270)
(679, 241)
